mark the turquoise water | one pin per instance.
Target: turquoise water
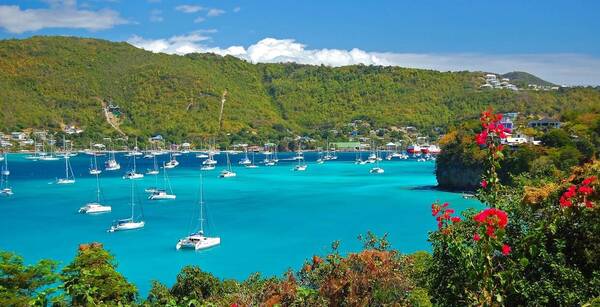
(269, 219)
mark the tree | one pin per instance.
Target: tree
(91, 278)
(25, 285)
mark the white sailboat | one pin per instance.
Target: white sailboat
(172, 162)
(227, 173)
(129, 223)
(154, 170)
(36, 153)
(197, 240)
(252, 164)
(376, 169)
(49, 156)
(94, 170)
(245, 161)
(163, 194)
(133, 174)
(5, 189)
(69, 176)
(301, 166)
(95, 207)
(111, 164)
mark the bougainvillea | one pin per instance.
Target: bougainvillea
(578, 194)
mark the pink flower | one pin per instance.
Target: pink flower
(484, 183)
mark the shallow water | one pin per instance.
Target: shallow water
(269, 218)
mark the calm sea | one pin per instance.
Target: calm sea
(269, 218)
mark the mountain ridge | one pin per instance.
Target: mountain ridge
(51, 81)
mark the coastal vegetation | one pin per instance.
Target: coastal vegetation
(461, 162)
(535, 243)
(51, 82)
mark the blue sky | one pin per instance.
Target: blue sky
(557, 40)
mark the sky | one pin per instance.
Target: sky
(556, 40)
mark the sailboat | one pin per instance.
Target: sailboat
(320, 159)
(5, 189)
(49, 156)
(36, 153)
(245, 161)
(128, 223)
(162, 194)
(209, 164)
(132, 174)
(251, 165)
(301, 165)
(111, 164)
(135, 152)
(197, 240)
(154, 170)
(69, 176)
(227, 173)
(94, 170)
(172, 162)
(95, 207)
(376, 169)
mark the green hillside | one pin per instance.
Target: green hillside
(523, 79)
(46, 82)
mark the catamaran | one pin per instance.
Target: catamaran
(162, 194)
(95, 207)
(69, 176)
(94, 170)
(5, 189)
(227, 173)
(129, 223)
(197, 240)
(133, 174)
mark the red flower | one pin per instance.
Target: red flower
(484, 183)
(565, 202)
(506, 249)
(476, 237)
(234, 305)
(589, 180)
(589, 204)
(490, 231)
(585, 190)
(455, 219)
(481, 138)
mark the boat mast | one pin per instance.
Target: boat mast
(201, 205)
(97, 188)
(132, 199)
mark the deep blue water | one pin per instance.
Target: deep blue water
(269, 219)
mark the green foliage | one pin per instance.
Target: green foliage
(194, 285)
(25, 285)
(48, 82)
(91, 279)
(523, 79)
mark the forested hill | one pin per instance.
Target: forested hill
(53, 81)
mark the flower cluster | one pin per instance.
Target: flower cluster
(491, 127)
(578, 195)
(443, 215)
(493, 220)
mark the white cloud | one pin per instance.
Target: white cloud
(199, 19)
(569, 69)
(156, 16)
(188, 8)
(60, 14)
(236, 9)
(215, 12)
